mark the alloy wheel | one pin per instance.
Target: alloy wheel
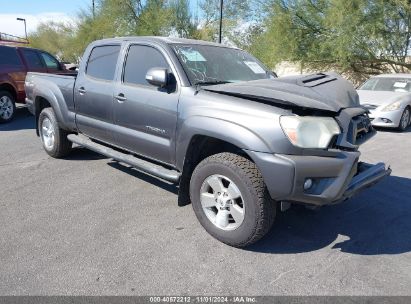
(222, 202)
(6, 107)
(47, 133)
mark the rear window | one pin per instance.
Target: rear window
(102, 62)
(9, 56)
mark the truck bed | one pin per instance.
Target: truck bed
(57, 83)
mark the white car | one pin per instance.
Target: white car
(388, 98)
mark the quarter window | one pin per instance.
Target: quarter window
(139, 60)
(102, 62)
(50, 61)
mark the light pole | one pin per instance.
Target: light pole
(221, 21)
(94, 7)
(25, 26)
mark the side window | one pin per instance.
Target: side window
(139, 60)
(102, 62)
(33, 59)
(9, 56)
(50, 61)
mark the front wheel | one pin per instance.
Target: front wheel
(230, 199)
(53, 137)
(405, 119)
(7, 106)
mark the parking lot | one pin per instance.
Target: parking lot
(88, 225)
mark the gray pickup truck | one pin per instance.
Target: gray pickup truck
(236, 139)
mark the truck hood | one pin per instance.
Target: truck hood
(378, 98)
(323, 91)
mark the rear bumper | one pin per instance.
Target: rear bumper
(334, 179)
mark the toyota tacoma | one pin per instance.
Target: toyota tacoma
(236, 139)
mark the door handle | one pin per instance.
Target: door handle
(121, 98)
(82, 91)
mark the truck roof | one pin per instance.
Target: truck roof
(163, 40)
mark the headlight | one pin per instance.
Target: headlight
(309, 131)
(392, 107)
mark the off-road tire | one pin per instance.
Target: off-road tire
(260, 209)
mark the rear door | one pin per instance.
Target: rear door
(33, 60)
(93, 93)
(13, 70)
(146, 115)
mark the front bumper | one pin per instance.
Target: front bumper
(389, 119)
(334, 179)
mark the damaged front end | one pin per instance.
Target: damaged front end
(323, 166)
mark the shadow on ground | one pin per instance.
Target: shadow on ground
(392, 130)
(170, 187)
(22, 120)
(80, 153)
(376, 221)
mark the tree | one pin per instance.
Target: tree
(355, 37)
(56, 38)
(235, 14)
(182, 20)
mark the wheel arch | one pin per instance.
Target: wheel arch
(201, 146)
(47, 98)
(40, 103)
(200, 137)
(9, 88)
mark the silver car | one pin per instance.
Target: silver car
(388, 98)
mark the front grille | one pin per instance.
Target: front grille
(360, 127)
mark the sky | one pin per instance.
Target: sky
(36, 11)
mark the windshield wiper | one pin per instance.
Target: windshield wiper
(199, 84)
(213, 82)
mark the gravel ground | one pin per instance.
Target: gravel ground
(89, 226)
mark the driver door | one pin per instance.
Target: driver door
(145, 115)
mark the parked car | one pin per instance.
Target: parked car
(388, 98)
(213, 119)
(70, 66)
(15, 62)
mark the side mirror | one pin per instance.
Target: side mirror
(157, 77)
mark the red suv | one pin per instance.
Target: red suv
(15, 62)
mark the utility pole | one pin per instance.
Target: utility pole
(25, 26)
(221, 21)
(94, 7)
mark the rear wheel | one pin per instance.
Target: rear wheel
(54, 138)
(230, 199)
(7, 106)
(405, 119)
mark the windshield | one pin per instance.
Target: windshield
(387, 84)
(205, 64)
